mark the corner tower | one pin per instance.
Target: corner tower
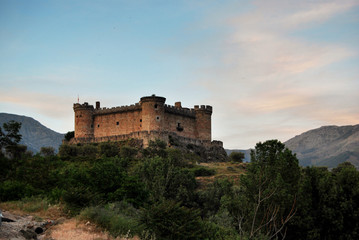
(203, 122)
(152, 112)
(83, 120)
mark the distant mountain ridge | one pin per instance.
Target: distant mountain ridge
(327, 146)
(34, 134)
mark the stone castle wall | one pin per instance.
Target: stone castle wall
(149, 119)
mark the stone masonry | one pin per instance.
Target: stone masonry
(146, 120)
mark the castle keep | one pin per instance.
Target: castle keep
(146, 120)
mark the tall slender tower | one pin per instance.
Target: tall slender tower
(203, 122)
(152, 112)
(83, 120)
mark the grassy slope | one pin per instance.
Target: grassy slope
(229, 170)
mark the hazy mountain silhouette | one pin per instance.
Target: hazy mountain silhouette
(34, 134)
(327, 146)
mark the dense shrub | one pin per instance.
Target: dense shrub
(169, 220)
(15, 190)
(203, 171)
(120, 219)
(236, 157)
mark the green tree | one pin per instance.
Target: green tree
(265, 202)
(328, 204)
(236, 157)
(47, 151)
(69, 135)
(10, 136)
(168, 220)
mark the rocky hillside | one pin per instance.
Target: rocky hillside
(34, 134)
(327, 146)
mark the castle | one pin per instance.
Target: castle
(147, 120)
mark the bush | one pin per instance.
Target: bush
(109, 149)
(15, 190)
(236, 157)
(119, 219)
(169, 220)
(203, 171)
(69, 135)
(76, 199)
(47, 151)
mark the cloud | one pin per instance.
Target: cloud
(268, 79)
(54, 106)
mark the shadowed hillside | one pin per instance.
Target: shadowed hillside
(327, 146)
(34, 134)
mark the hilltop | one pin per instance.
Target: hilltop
(34, 134)
(327, 146)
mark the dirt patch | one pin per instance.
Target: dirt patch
(33, 227)
(73, 229)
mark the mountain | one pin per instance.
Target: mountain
(34, 134)
(327, 146)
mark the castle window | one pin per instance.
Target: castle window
(91, 125)
(98, 125)
(157, 118)
(179, 127)
(156, 105)
(140, 120)
(117, 123)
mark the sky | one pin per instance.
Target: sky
(271, 69)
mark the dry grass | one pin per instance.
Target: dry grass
(73, 229)
(224, 170)
(34, 207)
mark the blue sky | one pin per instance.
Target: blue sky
(271, 69)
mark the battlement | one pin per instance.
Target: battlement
(153, 98)
(120, 109)
(85, 105)
(205, 108)
(180, 111)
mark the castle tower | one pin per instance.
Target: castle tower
(152, 113)
(83, 120)
(203, 122)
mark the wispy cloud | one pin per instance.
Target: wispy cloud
(266, 73)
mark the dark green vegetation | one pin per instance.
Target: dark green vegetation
(153, 192)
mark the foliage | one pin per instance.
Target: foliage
(168, 220)
(203, 171)
(236, 157)
(328, 204)
(69, 135)
(120, 219)
(14, 190)
(210, 199)
(165, 178)
(11, 136)
(153, 192)
(266, 200)
(47, 151)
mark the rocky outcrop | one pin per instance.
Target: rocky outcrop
(24, 227)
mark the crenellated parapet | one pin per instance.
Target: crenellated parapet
(205, 108)
(120, 109)
(187, 112)
(84, 106)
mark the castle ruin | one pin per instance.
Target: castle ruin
(147, 120)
